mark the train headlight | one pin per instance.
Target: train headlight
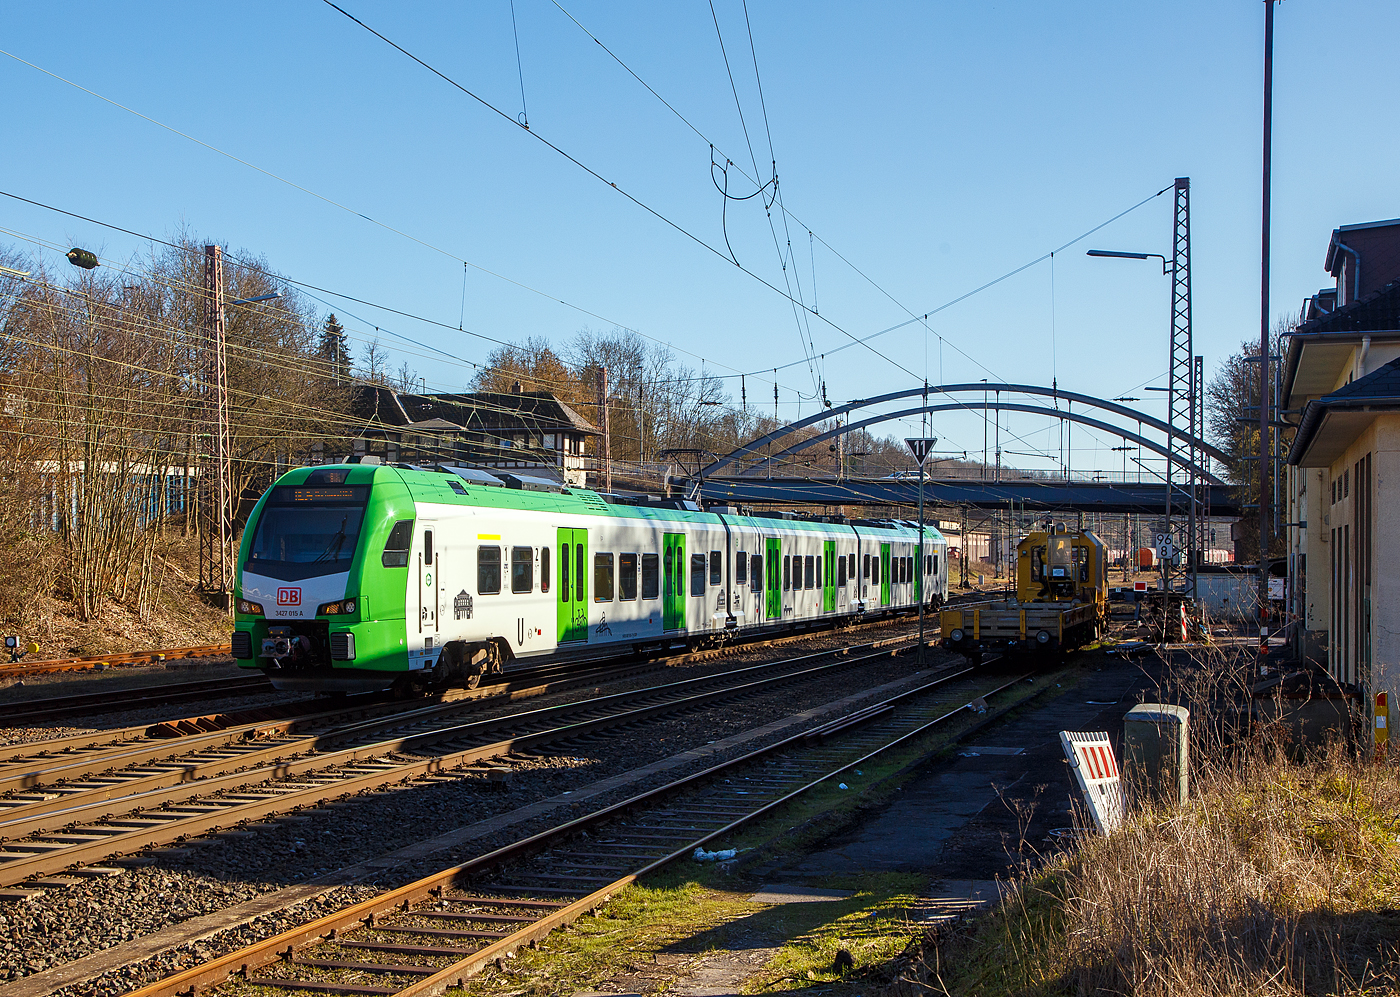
(342, 608)
(956, 635)
(1042, 636)
(249, 608)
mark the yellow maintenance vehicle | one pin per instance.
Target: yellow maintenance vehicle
(1061, 600)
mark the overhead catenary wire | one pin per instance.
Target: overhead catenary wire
(309, 287)
(601, 179)
(333, 203)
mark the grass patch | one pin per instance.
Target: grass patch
(1278, 877)
(871, 927)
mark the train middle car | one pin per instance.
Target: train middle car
(362, 576)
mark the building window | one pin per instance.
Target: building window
(488, 570)
(697, 574)
(627, 576)
(602, 578)
(741, 568)
(716, 568)
(651, 576)
(522, 569)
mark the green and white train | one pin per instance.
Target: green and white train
(362, 576)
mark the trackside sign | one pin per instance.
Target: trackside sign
(1096, 770)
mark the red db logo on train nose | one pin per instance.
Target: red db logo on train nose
(289, 597)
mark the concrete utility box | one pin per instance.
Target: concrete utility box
(1156, 758)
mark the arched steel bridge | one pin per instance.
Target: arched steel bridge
(1145, 496)
(752, 448)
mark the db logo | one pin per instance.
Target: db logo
(289, 597)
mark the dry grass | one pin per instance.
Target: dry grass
(34, 606)
(1279, 877)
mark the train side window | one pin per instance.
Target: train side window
(564, 573)
(716, 568)
(741, 568)
(756, 572)
(602, 578)
(851, 569)
(934, 569)
(522, 569)
(928, 564)
(651, 576)
(488, 570)
(874, 572)
(697, 574)
(580, 570)
(427, 546)
(396, 547)
(840, 571)
(809, 572)
(909, 568)
(787, 572)
(544, 569)
(866, 572)
(671, 586)
(627, 576)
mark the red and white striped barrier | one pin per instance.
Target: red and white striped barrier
(1096, 770)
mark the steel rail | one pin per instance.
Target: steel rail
(88, 661)
(89, 843)
(328, 928)
(235, 770)
(28, 712)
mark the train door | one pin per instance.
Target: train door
(773, 600)
(828, 576)
(920, 567)
(884, 574)
(573, 585)
(427, 588)
(673, 581)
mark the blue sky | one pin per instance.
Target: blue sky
(936, 146)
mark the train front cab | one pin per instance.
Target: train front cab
(307, 611)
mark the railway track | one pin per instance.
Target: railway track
(92, 802)
(430, 935)
(18, 669)
(25, 714)
(49, 710)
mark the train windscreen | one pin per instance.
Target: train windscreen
(305, 532)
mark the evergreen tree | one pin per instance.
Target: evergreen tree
(332, 350)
